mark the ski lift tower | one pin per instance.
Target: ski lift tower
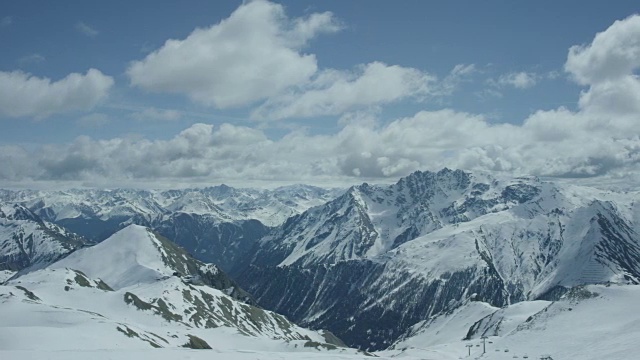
(469, 346)
(484, 344)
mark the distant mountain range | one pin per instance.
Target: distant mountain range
(216, 224)
(375, 264)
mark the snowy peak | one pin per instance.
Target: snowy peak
(609, 250)
(137, 255)
(421, 247)
(17, 212)
(28, 241)
(128, 257)
(369, 220)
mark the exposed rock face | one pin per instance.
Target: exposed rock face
(28, 241)
(378, 259)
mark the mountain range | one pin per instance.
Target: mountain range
(410, 251)
(215, 224)
(438, 257)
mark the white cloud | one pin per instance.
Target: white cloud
(608, 66)
(245, 58)
(23, 94)
(152, 113)
(598, 138)
(256, 55)
(334, 92)
(86, 30)
(459, 73)
(519, 80)
(613, 54)
(549, 143)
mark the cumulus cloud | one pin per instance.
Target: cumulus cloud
(86, 30)
(600, 137)
(608, 66)
(519, 80)
(552, 143)
(22, 94)
(334, 92)
(613, 54)
(255, 56)
(247, 57)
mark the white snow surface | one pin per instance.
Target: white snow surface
(68, 319)
(66, 311)
(605, 326)
(130, 256)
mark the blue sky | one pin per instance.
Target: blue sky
(82, 82)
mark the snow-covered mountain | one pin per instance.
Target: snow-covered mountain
(224, 203)
(589, 322)
(217, 224)
(376, 260)
(28, 241)
(137, 255)
(379, 259)
(137, 290)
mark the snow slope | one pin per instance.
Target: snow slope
(135, 257)
(592, 322)
(137, 291)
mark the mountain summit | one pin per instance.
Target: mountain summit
(137, 255)
(406, 252)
